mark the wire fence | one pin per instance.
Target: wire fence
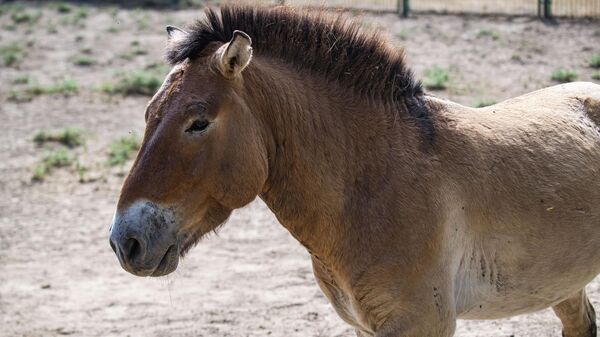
(543, 8)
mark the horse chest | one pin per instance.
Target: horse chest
(343, 301)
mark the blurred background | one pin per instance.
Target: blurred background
(74, 80)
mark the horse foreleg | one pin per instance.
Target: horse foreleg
(577, 316)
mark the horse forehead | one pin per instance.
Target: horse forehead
(169, 86)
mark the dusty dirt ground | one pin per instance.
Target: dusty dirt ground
(58, 275)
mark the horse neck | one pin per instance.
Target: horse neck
(325, 146)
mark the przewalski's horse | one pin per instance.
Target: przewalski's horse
(416, 211)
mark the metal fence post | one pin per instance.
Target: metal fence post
(548, 9)
(403, 7)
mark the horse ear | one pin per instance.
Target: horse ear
(175, 34)
(235, 55)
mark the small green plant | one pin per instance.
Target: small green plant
(70, 137)
(595, 61)
(436, 78)
(80, 14)
(58, 158)
(19, 96)
(54, 159)
(139, 82)
(76, 18)
(52, 28)
(402, 34)
(12, 53)
(563, 75)
(488, 33)
(64, 8)
(113, 29)
(67, 87)
(113, 11)
(485, 102)
(135, 50)
(121, 150)
(142, 19)
(23, 16)
(81, 171)
(596, 75)
(516, 57)
(39, 172)
(22, 79)
(84, 60)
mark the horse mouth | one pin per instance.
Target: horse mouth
(168, 263)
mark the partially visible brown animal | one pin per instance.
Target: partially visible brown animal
(416, 211)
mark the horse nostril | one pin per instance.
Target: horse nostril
(131, 249)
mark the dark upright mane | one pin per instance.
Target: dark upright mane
(338, 50)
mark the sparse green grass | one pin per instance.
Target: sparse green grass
(485, 102)
(84, 60)
(10, 27)
(67, 87)
(436, 78)
(63, 7)
(113, 29)
(70, 137)
(137, 82)
(142, 19)
(39, 172)
(122, 149)
(80, 14)
(52, 28)
(113, 11)
(76, 18)
(516, 57)
(21, 16)
(22, 79)
(81, 171)
(484, 32)
(58, 158)
(595, 61)
(563, 75)
(596, 75)
(402, 34)
(12, 54)
(135, 50)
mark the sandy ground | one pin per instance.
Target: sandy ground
(58, 275)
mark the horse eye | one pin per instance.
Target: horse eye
(198, 126)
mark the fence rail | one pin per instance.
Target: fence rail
(542, 8)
